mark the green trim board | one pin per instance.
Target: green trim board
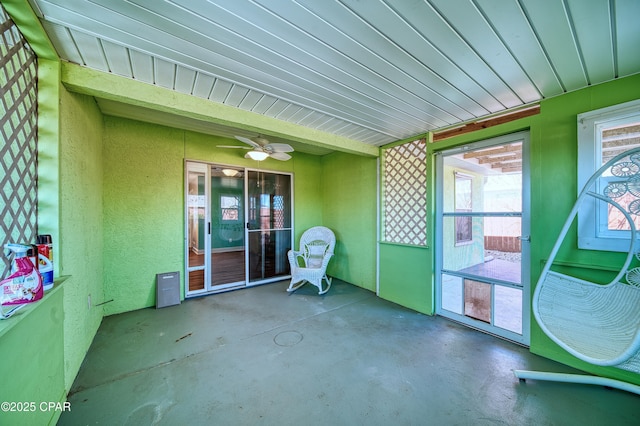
(49, 154)
(30, 27)
(116, 88)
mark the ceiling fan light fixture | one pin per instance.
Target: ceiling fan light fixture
(230, 172)
(257, 155)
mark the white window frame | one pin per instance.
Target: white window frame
(458, 207)
(224, 208)
(592, 219)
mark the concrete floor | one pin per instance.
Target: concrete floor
(261, 356)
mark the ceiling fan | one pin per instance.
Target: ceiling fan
(260, 148)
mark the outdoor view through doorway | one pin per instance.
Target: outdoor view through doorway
(483, 236)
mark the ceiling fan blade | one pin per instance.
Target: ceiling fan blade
(248, 141)
(280, 156)
(279, 147)
(232, 146)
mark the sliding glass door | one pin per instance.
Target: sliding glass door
(238, 227)
(269, 225)
(198, 243)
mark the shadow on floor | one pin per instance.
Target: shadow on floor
(263, 356)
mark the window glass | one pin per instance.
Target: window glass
(229, 206)
(463, 197)
(603, 134)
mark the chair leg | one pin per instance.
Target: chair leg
(523, 375)
(294, 288)
(328, 280)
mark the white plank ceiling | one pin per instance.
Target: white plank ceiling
(375, 71)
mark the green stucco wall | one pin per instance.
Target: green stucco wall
(144, 202)
(54, 334)
(349, 209)
(143, 213)
(32, 360)
(80, 253)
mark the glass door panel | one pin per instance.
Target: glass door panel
(480, 279)
(268, 225)
(238, 227)
(197, 228)
(227, 227)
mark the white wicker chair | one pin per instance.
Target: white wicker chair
(309, 264)
(597, 323)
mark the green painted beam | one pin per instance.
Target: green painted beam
(120, 89)
(27, 21)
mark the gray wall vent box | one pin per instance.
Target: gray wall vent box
(167, 289)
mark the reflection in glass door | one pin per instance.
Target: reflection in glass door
(215, 243)
(482, 236)
(227, 228)
(197, 238)
(219, 223)
(268, 226)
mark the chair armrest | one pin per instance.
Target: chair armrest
(326, 259)
(293, 255)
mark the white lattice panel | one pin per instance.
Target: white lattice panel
(18, 152)
(405, 194)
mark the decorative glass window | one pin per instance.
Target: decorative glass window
(18, 150)
(463, 197)
(602, 134)
(230, 208)
(405, 194)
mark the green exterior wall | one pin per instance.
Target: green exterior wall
(144, 202)
(55, 333)
(349, 209)
(405, 276)
(80, 253)
(143, 214)
(112, 196)
(32, 360)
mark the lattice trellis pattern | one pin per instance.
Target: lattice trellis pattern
(405, 194)
(278, 212)
(18, 124)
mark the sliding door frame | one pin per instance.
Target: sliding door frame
(205, 168)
